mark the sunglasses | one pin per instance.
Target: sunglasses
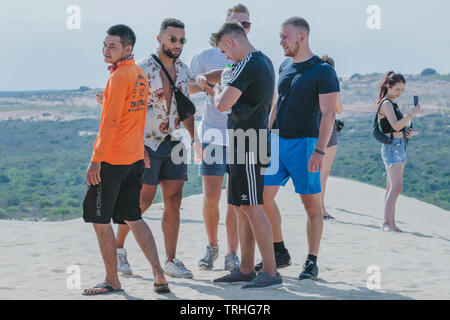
(246, 24)
(174, 39)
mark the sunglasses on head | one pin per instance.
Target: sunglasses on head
(246, 24)
(174, 39)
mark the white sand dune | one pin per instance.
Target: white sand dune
(413, 265)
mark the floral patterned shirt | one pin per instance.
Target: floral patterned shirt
(159, 122)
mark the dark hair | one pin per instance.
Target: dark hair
(170, 22)
(228, 27)
(297, 22)
(127, 36)
(239, 8)
(390, 79)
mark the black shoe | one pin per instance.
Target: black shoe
(283, 259)
(310, 271)
(236, 276)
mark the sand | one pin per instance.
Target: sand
(35, 256)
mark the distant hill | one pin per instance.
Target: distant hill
(43, 162)
(359, 93)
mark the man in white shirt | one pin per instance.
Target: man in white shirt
(206, 68)
(161, 137)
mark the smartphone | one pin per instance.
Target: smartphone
(416, 102)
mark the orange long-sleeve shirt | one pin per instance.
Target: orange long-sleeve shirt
(120, 140)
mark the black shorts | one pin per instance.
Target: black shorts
(117, 196)
(163, 168)
(246, 182)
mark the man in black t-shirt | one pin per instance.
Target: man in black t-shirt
(248, 93)
(308, 90)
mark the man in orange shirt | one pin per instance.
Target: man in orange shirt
(117, 163)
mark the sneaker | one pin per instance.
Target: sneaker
(236, 276)
(264, 280)
(310, 271)
(232, 262)
(387, 228)
(177, 269)
(211, 255)
(122, 263)
(283, 260)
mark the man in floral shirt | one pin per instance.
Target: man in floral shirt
(161, 136)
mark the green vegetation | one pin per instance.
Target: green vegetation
(445, 77)
(43, 164)
(428, 72)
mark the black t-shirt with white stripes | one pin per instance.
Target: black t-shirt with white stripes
(255, 77)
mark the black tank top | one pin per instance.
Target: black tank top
(385, 125)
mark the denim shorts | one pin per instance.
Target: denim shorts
(394, 153)
(215, 165)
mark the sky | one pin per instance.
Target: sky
(40, 52)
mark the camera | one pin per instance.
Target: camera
(339, 125)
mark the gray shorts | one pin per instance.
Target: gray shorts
(163, 168)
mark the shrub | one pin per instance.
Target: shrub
(428, 72)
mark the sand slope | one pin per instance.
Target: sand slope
(414, 265)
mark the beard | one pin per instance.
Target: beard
(293, 52)
(169, 53)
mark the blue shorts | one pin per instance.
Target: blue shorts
(394, 153)
(211, 166)
(293, 158)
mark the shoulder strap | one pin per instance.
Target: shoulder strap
(377, 116)
(383, 100)
(307, 65)
(172, 84)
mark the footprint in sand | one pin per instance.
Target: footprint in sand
(7, 288)
(58, 271)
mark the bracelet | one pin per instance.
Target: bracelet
(319, 151)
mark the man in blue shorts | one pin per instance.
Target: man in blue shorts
(307, 88)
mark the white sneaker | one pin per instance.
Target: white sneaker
(232, 262)
(177, 269)
(211, 255)
(122, 263)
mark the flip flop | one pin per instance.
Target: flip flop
(328, 217)
(102, 286)
(161, 288)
